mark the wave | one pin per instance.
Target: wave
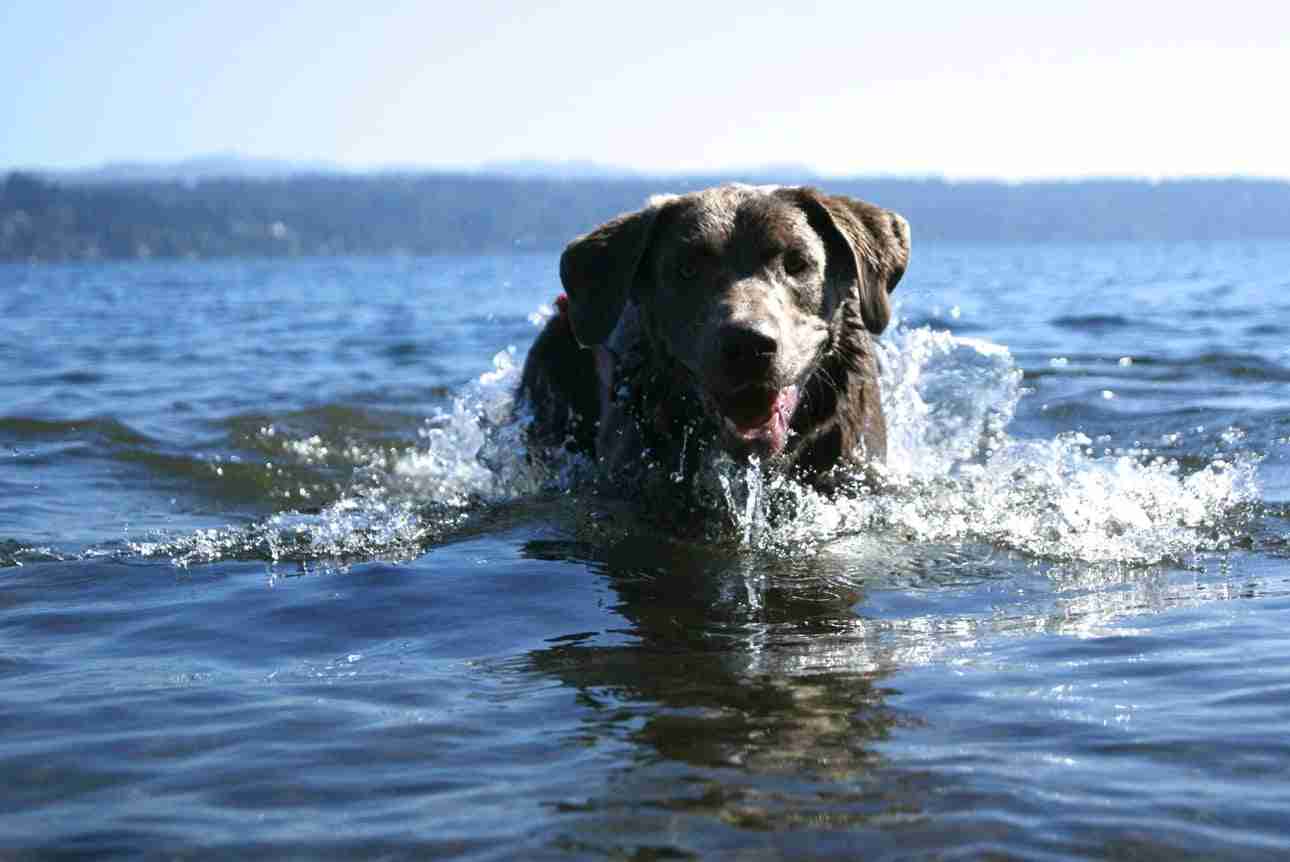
(14, 553)
(954, 475)
(399, 497)
(1094, 322)
(101, 429)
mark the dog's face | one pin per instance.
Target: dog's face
(741, 287)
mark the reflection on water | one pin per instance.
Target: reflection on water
(750, 692)
(726, 673)
(735, 671)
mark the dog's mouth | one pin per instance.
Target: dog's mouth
(756, 418)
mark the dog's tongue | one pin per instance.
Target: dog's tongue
(770, 429)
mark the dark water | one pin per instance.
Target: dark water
(276, 579)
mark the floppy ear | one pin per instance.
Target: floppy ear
(598, 270)
(868, 244)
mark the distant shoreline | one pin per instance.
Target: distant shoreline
(327, 214)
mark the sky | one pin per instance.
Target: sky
(1008, 90)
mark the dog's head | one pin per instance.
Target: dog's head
(742, 287)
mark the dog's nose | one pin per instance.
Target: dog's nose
(745, 350)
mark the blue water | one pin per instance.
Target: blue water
(276, 578)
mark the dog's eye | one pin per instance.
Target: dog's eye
(687, 270)
(795, 263)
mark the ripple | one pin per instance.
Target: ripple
(1241, 366)
(15, 553)
(105, 429)
(1094, 322)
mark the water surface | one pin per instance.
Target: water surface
(277, 578)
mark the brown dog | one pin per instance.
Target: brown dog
(737, 317)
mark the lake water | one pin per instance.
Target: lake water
(276, 578)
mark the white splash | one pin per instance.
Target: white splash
(953, 475)
(743, 489)
(476, 451)
(946, 399)
(397, 501)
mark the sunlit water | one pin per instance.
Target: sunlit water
(278, 575)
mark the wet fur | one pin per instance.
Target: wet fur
(650, 411)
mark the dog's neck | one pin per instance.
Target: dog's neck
(657, 392)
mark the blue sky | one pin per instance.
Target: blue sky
(985, 89)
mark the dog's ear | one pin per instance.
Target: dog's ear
(868, 245)
(598, 271)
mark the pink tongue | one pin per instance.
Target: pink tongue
(774, 430)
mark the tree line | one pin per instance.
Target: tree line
(431, 214)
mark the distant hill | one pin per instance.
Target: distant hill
(197, 169)
(235, 166)
(571, 170)
(289, 209)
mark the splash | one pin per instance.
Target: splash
(947, 399)
(396, 502)
(354, 528)
(743, 489)
(953, 475)
(476, 452)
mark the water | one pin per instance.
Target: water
(276, 578)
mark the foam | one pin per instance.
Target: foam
(954, 474)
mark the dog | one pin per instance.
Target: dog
(739, 319)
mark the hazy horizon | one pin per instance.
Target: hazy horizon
(1003, 91)
(233, 165)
